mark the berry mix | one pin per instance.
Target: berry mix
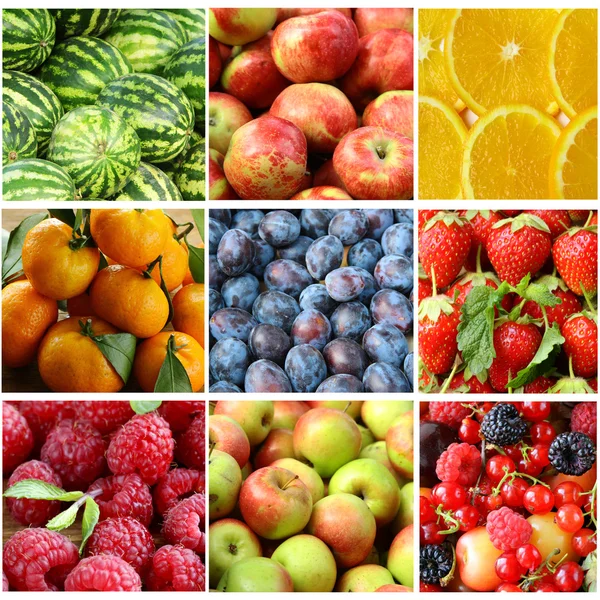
(508, 497)
(508, 301)
(135, 474)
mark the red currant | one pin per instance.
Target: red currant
(529, 468)
(508, 567)
(569, 518)
(430, 533)
(546, 587)
(584, 541)
(539, 455)
(493, 502)
(484, 409)
(497, 466)
(426, 510)
(529, 557)
(468, 431)
(512, 493)
(538, 500)
(536, 411)
(513, 452)
(568, 577)
(568, 492)
(467, 516)
(449, 495)
(542, 433)
(429, 587)
(508, 587)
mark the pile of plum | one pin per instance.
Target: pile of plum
(311, 300)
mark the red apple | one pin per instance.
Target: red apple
(237, 26)
(228, 436)
(325, 192)
(375, 164)
(266, 159)
(287, 413)
(393, 587)
(326, 175)
(225, 52)
(318, 47)
(275, 503)
(288, 13)
(214, 62)
(279, 444)
(393, 111)
(384, 63)
(321, 112)
(369, 20)
(226, 115)
(218, 186)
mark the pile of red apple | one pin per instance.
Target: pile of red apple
(312, 496)
(311, 103)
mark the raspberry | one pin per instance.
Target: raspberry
(123, 496)
(103, 574)
(572, 453)
(184, 523)
(449, 413)
(17, 439)
(460, 463)
(144, 445)
(190, 449)
(176, 569)
(34, 513)
(126, 538)
(503, 426)
(583, 419)
(176, 485)
(507, 529)
(104, 415)
(4, 582)
(179, 414)
(75, 450)
(43, 415)
(38, 560)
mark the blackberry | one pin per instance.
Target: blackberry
(503, 426)
(572, 453)
(435, 563)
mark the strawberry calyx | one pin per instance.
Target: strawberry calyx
(523, 220)
(446, 218)
(428, 382)
(586, 314)
(434, 306)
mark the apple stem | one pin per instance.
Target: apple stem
(380, 152)
(211, 448)
(287, 483)
(348, 405)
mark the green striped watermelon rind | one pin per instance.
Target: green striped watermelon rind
(149, 183)
(191, 175)
(19, 140)
(84, 21)
(36, 179)
(80, 67)
(193, 21)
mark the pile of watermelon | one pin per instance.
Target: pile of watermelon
(103, 104)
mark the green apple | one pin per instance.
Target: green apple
(256, 574)
(365, 578)
(224, 482)
(399, 443)
(239, 26)
(405, 516)
(400, 557)
(227, 435)
(246, 471)
(255, 417)
(371, 481)
(367, 437)
(350, 407)
(309, 562)
(326, 439)
(373, 558)
(287, 413)
(377, 415)
(378, 452)
(308, 476)
(278, 444)
(229, 541)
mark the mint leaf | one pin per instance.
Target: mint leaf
(119, 350)
(540, 294)
(141, 407)
(64, 519)
(11, 262)
(172, 376)
(34, 489)
(91, 515)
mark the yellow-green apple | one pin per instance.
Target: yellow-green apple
(278, 444)
(246, 470)
(287, 413)
(384, 63)
(309, 562)
(378, 415)
(255, 417)
(369, 20)
(475, 558)
(350, 407)
(375, 164)
(325, 192)
(224, 482)
(218, 186)
(275, 503)
(367, 439)
(237, 26)
(266, 159)
(229, 541)
(393, 111)
(400, 557)
(326, 439)
(378, 451)
(257, 574)
(308, 476)
(325, 175)
(399, 444)
(288, 13)
(317, 47)
(226, 434)
(345, 523)
(365, 578)
(214, 62)
(393, 587)
(371, 481)
(405, 516)
(226, 115)
(321, 111)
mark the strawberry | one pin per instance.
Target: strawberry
(540, 385)
(473, 386)
(515, 345)
(594, 219)
(468, 281)
(444, 244)
(428, 382)
(425, 289)
(581, 343)
(593, 383)
(482, 222)
(579, 216)
(518, 247)
(425, 215)
(558, 221)
(575, 255)
(511, 213)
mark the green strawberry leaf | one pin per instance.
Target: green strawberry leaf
(34, 489)
(64, 519)
(141, 407)
(172, 376)
(91, 515)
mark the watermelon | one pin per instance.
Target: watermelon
(147, 38)
(84, 21)
(80, 67)
(159, 111)
(191, 175)
(36, 179)
(28, 37)
(186, 70)
(98, 149)
(193, 20)
(149, 183)
(18, 135)
(36, 100)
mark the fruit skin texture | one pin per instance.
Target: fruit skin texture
(226, 115)
(174, 486)
(148, 183)
(399, 444)
(43, 415)
(144, 445)
(392, 110)
(256, 574)
(105, 416)
(581, 344)
(369, 20)
(18, 135)
(507, 529)
(228, 436)
(17, 439)
(26, 315)
(188, 307)
(50, 557)
(184, 523)
(81, 21)
(105, 573)
(33, 178)
(560, 313)
(313, 48)
(547, 535)
(237, 26)
(176, 569)
(266, 159)
(218, 186)
(54, 265)
(324, 192)
(575, 254)
(475, 556)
